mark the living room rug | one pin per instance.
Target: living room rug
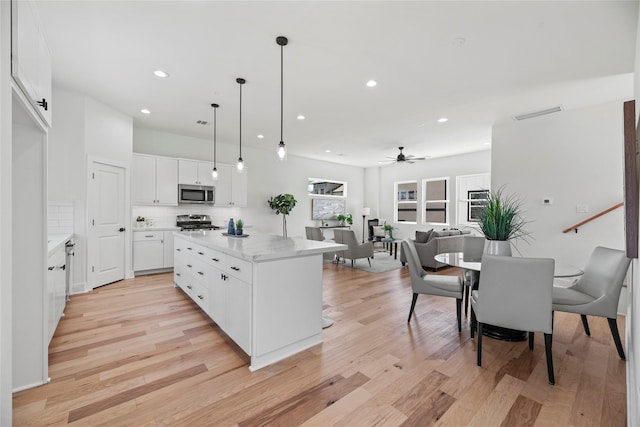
(380, 263)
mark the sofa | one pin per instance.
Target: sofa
(430, 243)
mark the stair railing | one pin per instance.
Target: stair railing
(598, 215)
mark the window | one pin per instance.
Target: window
(326, 188)
(436, 201)
(406, 203)
(477, 200)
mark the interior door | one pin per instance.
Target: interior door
(106, 248)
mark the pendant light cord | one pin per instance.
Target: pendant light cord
(214, 136)
(240, 120)
(281, 90)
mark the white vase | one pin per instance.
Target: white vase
(497, 247)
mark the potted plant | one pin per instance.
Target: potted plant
(239, 226)
(282, 204)
(140, 221)
(388, 230)
(500, 221)
(348, 218)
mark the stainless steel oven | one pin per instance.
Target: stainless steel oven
(198, 194)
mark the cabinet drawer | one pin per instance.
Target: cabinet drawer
(213, 257)
(201, 296)
(147, 235)
(239, 268)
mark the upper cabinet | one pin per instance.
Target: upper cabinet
(231, 187)
(30, 57)
(194, 172)
(154, 180)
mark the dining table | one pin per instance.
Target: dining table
(457, 259)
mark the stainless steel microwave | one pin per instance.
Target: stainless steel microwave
(199, 194)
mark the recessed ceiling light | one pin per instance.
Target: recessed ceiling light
(300, 117)
(486, 143)
(327, 151)
(161, 74)
(145, 111)
(371, 83)
(260, 136)
(442, 120)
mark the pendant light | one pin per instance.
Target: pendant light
(214, 171)
(282, 150)
(240, 165)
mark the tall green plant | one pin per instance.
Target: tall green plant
(282, 204)
(501, 218)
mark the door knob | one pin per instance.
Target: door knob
(121, 229)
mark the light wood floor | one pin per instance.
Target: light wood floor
(139, 353)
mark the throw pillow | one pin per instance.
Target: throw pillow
(423, 236)
(378, 231)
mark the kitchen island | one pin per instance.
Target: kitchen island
(264, 291)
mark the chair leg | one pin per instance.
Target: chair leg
(369, 259)
(479, 343)
(585, 325)
(613, 325)
(466, 300)
(351, 263)
(459, 313)
(413, 305)
(548, 340)
(473, 323)
(531, 341)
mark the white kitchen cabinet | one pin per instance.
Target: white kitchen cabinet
(154, 180)
(194, 172)
(56, 284)
(30, 57)
(231, 187)
(152, 250)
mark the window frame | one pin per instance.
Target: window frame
(446, 201)
(406, 201)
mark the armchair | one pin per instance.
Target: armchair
(356, 250)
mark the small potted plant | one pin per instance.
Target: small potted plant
(348, 218)
(140, 221)
(388, 230)
(500, 221)
(239, 226)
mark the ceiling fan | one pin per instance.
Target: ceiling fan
(403, 158)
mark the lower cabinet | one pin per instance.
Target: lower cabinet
(152, 250)
(56, 281)
(221, 286)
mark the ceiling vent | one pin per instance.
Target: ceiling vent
(203, 122)
(538, 113)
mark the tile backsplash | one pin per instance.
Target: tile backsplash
(60, 217)
(165, 216)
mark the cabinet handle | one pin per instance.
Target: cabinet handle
(235, 268)
(200, 253)
(43, 104)
(215, 259)
(178, 274)
(149, 236)
(189, 287)
(189, 265)
(190, 249)
(200, 296)
(51, 268)
(223, 276)
(201, 273)
(179, 250)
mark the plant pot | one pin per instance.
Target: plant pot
(497, 247)
(239, 232)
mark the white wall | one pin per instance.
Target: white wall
(632, 338)
(85, 129)
(267, 177)
(5, 217)
(382, 179)
(574, 157)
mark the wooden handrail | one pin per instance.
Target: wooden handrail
(598, 215)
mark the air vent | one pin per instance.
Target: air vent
(203, 122)
(538, 113)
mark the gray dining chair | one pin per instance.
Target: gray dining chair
(472, 250)
(515, 293)
(314, 233)
(355, 249)
(597, 291)
(431, 284)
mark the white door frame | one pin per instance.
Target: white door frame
(128, 272)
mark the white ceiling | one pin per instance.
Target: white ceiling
(477, 63)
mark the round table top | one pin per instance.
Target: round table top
(456, 259)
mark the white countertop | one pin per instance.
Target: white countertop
(157, 228)
(258, 246)
(54, 241)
